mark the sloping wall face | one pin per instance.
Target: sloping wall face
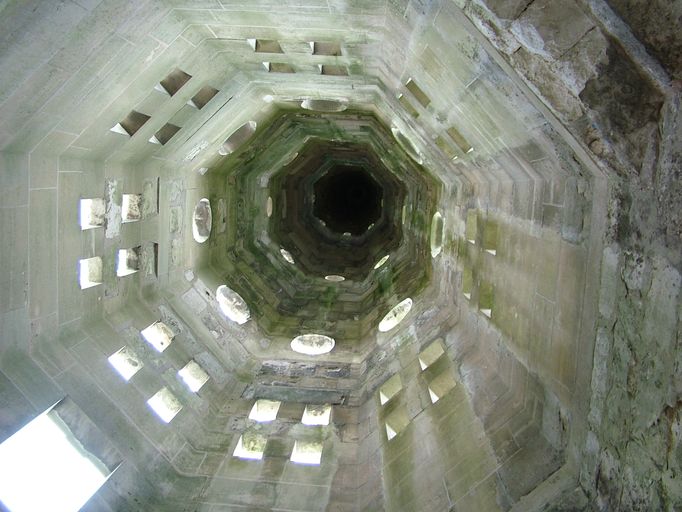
(538, 366)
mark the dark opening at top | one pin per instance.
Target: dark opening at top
(347, 200)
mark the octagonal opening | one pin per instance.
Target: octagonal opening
(348, 200)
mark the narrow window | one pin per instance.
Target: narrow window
(327, 69)
(90, 272)
(312, 344)
(471, 226)
(264, 411)
(430, 354)
(307, 452)
(165, 134)
(193, 376)
(165, 405)
(173, 82)
(485, 299)
(418, 93)
(237, 138)
(322, 48)
(490, 237)
(158, 335)
(407, 105)
(128, 261)
(131, 123)
(396, 422)
(467, 282)
(202, 221)
(381, 262)
(131, 210)
(440, 386)
(287, 256)
(92, 213)
(278, 67)
(436, 234)
(250, 446)
(201, 98)
(316, 414)
(459, 139)
(265, 45)
(126, 362)
(390, 389)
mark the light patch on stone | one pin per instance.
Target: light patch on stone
(430, 354)
(165, 405)
(316, 414)
(112, 198)
(193, 376)
(264, 411)
(395, 315)
(127, 261)
(126, 362)
(390, 389)
(232, 305)
(312, 344)
(307, 452)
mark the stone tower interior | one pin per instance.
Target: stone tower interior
(341, 255)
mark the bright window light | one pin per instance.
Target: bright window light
(92, 213)
(165, 405)
(232, 305)
(126, 362)
(202, 220)
(250, 446)
(193, 376)
(268, 207)
(90, 272)
(436, 234)
(128, 261)
(316, 414)
(312, 344)
(307, 452)
(390, 433)
(396, 315)
(264, 410)
(335, 278)
(44, 467)
(381, 262)
(158, 335)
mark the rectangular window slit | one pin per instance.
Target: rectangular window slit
(165, 405)
(390, 388)
(418, 93)
(326, 69)
(131, 123)
(316, 414)
(408, 106)
(430, 354)
(396, 422)
(90, 272)
(250, 446)
(278, 67)
(467, 282)
(193, 376)
(128, 261)
(485, 299)
(158, 335)
(490, 237)
(201, 98)
(164, 134)
(459, 139)
(440, 386)
(92, 213)
(173, 82)
(126, 362)
(471, 227)
(321, 48)
(265, 45)
(264, 410)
